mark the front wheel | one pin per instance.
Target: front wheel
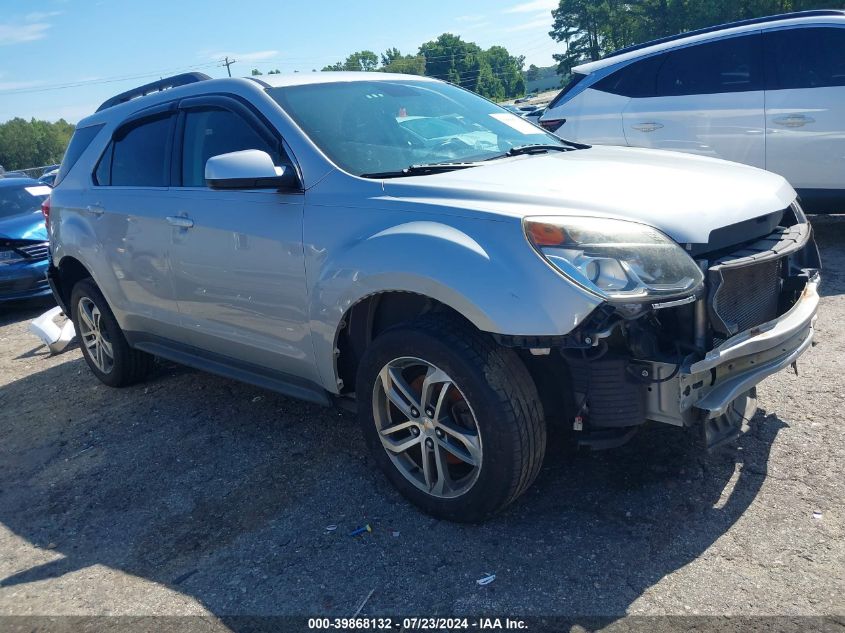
(453, 419)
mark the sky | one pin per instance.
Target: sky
(62, 58)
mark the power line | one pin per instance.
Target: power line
(106, 80)
(228, 63)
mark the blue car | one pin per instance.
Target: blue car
(24, 245)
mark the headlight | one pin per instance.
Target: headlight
(616, 259)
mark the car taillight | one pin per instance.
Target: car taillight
(552, 124)
(45, 211)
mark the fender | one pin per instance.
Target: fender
(497, 282)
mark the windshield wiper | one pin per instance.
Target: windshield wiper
(540, 148)
(418, 170)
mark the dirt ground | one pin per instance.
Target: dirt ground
(192, 494)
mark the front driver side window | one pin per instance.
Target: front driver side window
(213, 131)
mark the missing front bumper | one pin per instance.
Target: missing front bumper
(707, 389)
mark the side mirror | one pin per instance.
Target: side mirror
(247, 169)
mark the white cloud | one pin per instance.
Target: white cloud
(40, 16)
(255, 56)
(18, 33)
(533, 5)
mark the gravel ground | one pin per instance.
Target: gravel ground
(192, 494)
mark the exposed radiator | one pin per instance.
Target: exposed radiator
(747, 296)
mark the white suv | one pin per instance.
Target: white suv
(768, 92)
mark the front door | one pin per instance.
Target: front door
(238, 261)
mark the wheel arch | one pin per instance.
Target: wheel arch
(477, 271)
(70, 271)
(368, 317)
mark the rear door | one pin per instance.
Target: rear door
(239, 267)
(705, 99)
(127, 208)
(805, 106)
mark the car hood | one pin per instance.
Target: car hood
(26, 226)
(683, 195)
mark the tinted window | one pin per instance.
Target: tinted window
(102, 176)
(806, 58)
(634, 80)
(213, 131)
(80, 141)
(730, 65)
(141, 154)
(574, 80)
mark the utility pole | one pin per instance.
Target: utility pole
(228, 63)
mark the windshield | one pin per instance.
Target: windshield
(372, 127)
(23, 199)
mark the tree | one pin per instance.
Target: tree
(33, 143)
(357, 61)
(389, 56)
(507, 69)
(493, 73)
(578, 24)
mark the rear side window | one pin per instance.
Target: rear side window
(213, 131)
(80, 141)
(729, 65)
(574, 80)
(140, 155)
(634, 80)
(805, 58)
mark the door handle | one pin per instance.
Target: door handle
(181, 221)
(95, 209)
(648, 126)
(794, 120)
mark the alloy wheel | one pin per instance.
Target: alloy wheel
(93, 335)
(427, 427)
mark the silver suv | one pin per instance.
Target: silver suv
(458, 275)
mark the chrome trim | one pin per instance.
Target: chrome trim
(673, 304)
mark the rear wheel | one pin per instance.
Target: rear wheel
(103, 344)
(454, 420)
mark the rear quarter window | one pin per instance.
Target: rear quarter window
(79, 142)
(574, 80)
(637, 79)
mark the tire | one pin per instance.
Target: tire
(127, 365)
(502, 437)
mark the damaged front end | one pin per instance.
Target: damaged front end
(695, 361)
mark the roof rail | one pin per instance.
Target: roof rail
(157, 86)
(817, 13)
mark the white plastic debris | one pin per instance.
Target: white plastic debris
(55, 337)
(486, 580)
(817, 515)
